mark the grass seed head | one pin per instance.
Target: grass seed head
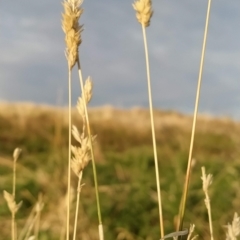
(144, 11)
(233, 230)
(76, 134)
(206, 179)
(88, 90)
(88, 95)
(191, 230)
(80, 108)
(81, 155)
(13, 207)
(72, 29)
(16, 154)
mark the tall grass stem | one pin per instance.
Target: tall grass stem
(69, 150)
(101, 236)
(13, 194)
(25, 229)
(16, 155)
(38, 209)
(188, 173)
(207, 181)
(14, 179)
(77, 204)
(30, 227)
(210, 218)
(153, 132)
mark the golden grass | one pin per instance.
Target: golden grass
(137, 117)
(70, 24)
(195, 115)
(144, 13)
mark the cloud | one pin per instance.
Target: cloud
(33, 65)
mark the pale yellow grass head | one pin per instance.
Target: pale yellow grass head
(12, 205)
(87, 91)
(144, 11)
(82, 155)
(72, 29)
(16, 154)
(233, 230)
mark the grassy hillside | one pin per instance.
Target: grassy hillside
(125, 168)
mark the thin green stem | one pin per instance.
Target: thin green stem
(77, 204)
(153, 133)
(69, 151)
(188, 173)
(101, 236)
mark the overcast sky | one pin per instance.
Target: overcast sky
(33, 65)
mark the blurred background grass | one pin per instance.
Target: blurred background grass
(125, 168)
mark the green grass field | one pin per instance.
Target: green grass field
(125, 166)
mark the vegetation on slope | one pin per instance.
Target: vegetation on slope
(125, 166)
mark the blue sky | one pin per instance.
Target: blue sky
(33, 66)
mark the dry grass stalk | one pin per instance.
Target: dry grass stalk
(191, 230)
(30, 228)
(81, 155)
(28, 222)
(72, 30)
(87, 92)
(144, 14)
(77, 203)
(233, 230)
(38, 209)
(62, 210)
(188, 172)
(100, 231)
(16, 155)
(207, 181)
(10, 198)
(33, 222)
